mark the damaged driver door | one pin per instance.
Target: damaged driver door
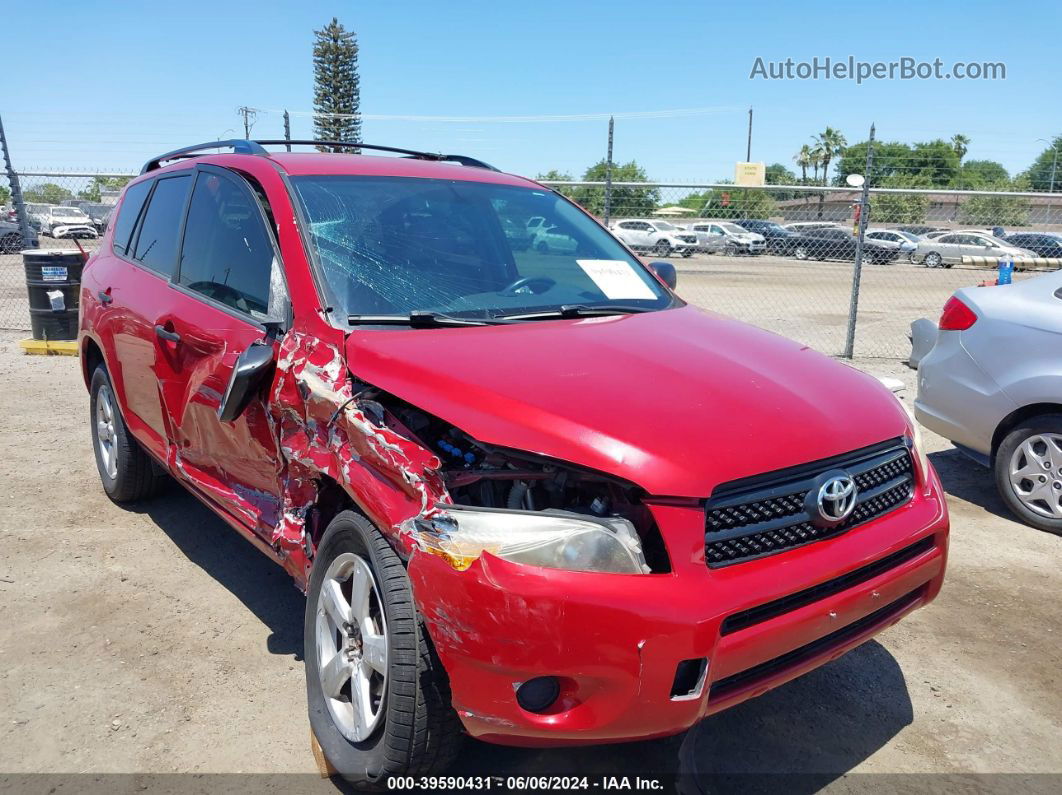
(229, 298)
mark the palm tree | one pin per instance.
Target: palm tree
(960, 143)
(803, 159)
(830, 143)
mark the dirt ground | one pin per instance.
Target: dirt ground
(156, 640)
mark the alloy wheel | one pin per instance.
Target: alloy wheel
(106, 435)
(351, 637)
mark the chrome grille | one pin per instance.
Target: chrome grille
(767, 514)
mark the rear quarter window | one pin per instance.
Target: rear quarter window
(156, 243)
(127, 215)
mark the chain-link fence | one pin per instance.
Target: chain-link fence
(782, 257)
(65, 210)
(779, 257)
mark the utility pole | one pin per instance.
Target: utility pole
(16, 191)
(857, 271)
(1054, 170)
(248, 114)
(608, 172)
(748, 148)
(287, 130)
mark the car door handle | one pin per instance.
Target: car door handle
(105, 296)
(164, 333)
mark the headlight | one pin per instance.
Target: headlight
(554, 539)
(918, 447)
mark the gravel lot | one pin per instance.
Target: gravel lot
(156, 640)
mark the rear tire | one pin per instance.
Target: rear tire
(417, 731)
(800, 252)
(1020, 470)
(127, 473)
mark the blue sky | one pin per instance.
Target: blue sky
(130, 80)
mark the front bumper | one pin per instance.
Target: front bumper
(615, 641)
(81, 232)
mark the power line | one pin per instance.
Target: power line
(648, 114)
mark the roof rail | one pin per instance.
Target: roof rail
(464, 160)
(242, 147)
(238, 146)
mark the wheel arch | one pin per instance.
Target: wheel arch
(1018, 416)
(91, 358)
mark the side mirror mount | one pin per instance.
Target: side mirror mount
(251, 369)
(667, 273)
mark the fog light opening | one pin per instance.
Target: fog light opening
(538, 694)
(689, 679)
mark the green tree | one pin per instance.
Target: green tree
(558, 176)
(93, 192)
(1046, 171)
(336, 87)
(46, 193)
(626, 201)
(989, 211)
(730, 203)
(778, 174)
(981, 174)
(5, 194)
(932, 164)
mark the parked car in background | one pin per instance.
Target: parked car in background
(725, 237)
(36, 213)
(993, 386)
(536, 502)
(11, 238)
(553, 240)
(808, 226)
(904, 242)
(58, 221)
(836, 243)
(518, 236)
(659, 237)
(97, 212)
(919, 230)
(948, 249)
(1042, 244)
(779, 240)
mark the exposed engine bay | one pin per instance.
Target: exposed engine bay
(481, 475)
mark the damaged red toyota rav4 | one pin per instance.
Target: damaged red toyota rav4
(531, 495)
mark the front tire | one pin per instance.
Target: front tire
(1028, 472)
(362, 629)
(662, 249)
(932, 260)
(11, 243)
(800, 252)
(128, 473)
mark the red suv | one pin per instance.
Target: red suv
(530, 495)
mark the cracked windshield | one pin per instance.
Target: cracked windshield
(392, 246)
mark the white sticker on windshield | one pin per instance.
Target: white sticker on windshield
(616, 279)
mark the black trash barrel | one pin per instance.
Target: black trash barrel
(53, 281)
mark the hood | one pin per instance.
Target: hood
(675, 401)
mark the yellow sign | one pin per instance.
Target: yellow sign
(750, 174)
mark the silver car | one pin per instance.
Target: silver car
(949, 249)
(992, 384)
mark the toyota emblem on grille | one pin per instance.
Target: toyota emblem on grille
(835, 499)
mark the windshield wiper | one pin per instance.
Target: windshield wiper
(421, 319)
(577, 310)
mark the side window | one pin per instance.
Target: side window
(945, 239)
(127, 215)
(156, 244)
(227, 253)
